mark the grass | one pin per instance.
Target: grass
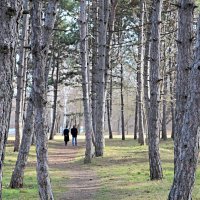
(123, 173)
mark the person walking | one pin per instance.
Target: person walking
(66, 135)
(74, 133)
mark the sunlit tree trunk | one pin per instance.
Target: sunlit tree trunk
(85, 81)
(103, 12)
(140, 71)
(94, 63)
(153, 131)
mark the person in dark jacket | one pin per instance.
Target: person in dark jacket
(66, 135)
(74, 133)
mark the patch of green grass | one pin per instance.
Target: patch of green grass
(30, 188)
(124, 172)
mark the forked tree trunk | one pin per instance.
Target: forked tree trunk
(85, 82)
(41, 38)
(20, 73)
(186, 162)
(184, 57)
(9, 16)
(153, 132)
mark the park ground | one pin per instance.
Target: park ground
(121, 174)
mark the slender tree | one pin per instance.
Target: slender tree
(20, 73)
(94, 63)
(140, 71)
(122, 102)
(85, 81)
(153, 131)
(55, 96)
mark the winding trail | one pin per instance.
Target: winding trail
(81, 182)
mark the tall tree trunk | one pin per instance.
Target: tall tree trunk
(111, 26)
(122, 103)
(18, 173)
(164, 100)
(140, 71)
(136, 118)
(186, 162)
(55, 85)
(85, 81)
(109, 119)
(41, 38)
(21, 63)
(94, 64)
(100, 86)
(164, 120)
(184, 57)
(153, 132)
(146, 71)
(172, 103)
(9, 16)
(111, 101)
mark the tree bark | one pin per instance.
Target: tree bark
(136, 118)
(9, 16)
(55, 85)
(140, 71)
(186, 162)
(172, 102)
(41, 38)
(184, 58)
(100, 86)
(153, 131)
(21, 68)
(85, 82)
(146, 71)
(94, 64)
(18, 173)
(122, 103)
(164, 100)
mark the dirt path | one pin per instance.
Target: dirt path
(82, 182)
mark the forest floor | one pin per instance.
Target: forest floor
(81, 183)
(121, 174)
